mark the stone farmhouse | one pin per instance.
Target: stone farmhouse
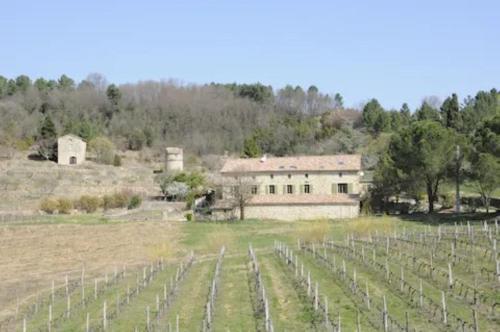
(70, 150)
(292, 188)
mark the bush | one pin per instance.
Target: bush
(103, 149)
(189, 216)
(107, 202)
(121, 199)
(49, 205)
(135, 202)
(117, 161)
(64, 205)
(89, 204)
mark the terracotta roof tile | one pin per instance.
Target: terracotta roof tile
(300, 163)
(303, 199)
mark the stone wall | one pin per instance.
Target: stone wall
(302, 212)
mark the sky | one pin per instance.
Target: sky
(395, 51)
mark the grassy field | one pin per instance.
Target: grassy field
(37, 253)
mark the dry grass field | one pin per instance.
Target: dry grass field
(33, 255)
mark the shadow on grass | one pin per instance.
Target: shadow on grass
(448, 218)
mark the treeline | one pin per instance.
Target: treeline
(449, 142)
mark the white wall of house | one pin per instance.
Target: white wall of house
(70, 150)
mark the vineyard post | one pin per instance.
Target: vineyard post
(104, 317)
(67, 285)
(339, 324)
(421, 293)
(407, 322)
(83, 285)
(443, 303)
(498, 269)
(148, 323)
(87, 324)
(128, 294)
(50, 318)
(296, 267)
(326, 310)
(95, 288)
(384, 316)
(474, 317)
(68, 306)
(402, 279)
(53, 291)
(177, 323)
(316, 298)
(354, 280)
(344, 269)
(24, 324)
(308, 283)
(165, 292)
(450, 276)
(367, 295)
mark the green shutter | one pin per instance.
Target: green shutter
(334, 188)
(349, 188)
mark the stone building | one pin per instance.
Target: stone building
(174, 159)
(292, 188)
(70, 150)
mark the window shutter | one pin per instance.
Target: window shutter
(349, 188)
(334, 188)
(293, 189)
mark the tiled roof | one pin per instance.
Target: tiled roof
(350, 162)
(303, 199)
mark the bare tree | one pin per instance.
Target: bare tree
(241, 189)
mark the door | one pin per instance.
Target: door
(72, 160)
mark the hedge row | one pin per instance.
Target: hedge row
(89, 204)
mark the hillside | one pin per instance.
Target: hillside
(23, 182)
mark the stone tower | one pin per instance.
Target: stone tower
(174, 159)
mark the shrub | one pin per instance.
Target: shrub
(117, 161)
(189, 216)
(64, 205)
(107, 202)
(135, 202)
(89, 204)
(121, 199)
(103, 149)
(49, 205)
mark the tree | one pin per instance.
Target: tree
(241, 193)
(338, 101)
(103, 149)
(41, 84)
(427, 112)
(65, 83)
(4, 83)
(48, 129)
(250, 148)
(23, 82)
(487, 137)
(405, 114)
(450, 111)
(375, 118)
(486, 175)
(114, 96)
(423, 153)
(47, 139)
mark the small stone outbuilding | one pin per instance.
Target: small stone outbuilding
(70, 150)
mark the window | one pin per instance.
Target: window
(289, 189)
(272, 176)
(307, 189)
(340, 174)
(342, 188)
(254, 190)
(272, 189)
(307, 175)
(289, 176)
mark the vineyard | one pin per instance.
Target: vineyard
(362, 275)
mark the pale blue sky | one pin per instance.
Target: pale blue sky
(394, 50)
